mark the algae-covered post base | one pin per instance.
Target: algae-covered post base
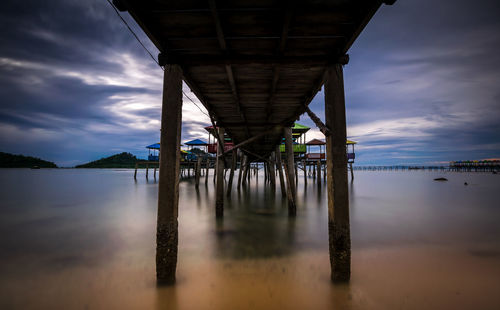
(168, 188)
(336, 168)
(219, 200)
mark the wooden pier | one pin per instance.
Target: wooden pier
(255, 66)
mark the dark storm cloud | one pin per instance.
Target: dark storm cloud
(421, 86)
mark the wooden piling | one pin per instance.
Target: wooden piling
(352, 171)
(135, 172)
(231, 173)
(198, 171)
(318, 172)
(147, 170)
(337, 187)
(154, 173)
(305, 171)
(296, 174)
(292, 208)
(279, 167)
(272, 172)
(242, 164)
(290, 173)
(219, 200)
(207, 169)
(168, 188)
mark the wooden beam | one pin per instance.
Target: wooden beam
(168, 188)
(229, 70)
(336, 169)
(260, 135)
(221, 60)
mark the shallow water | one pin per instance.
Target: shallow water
(85, 239)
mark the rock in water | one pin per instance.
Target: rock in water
(465, 183)
(440, 179)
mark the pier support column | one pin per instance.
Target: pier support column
(231, 173)
(290, 166)
(219, 200)
(272, 172)
(352, 171)
(198, 171)
(279, 166)
(318, 164)
(207, 169)
(336, 168)
(168, 188)
(304, 166)
(242, 164)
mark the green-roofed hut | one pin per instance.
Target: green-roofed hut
(299, 139)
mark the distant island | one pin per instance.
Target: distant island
(122, 160)
(20, 161)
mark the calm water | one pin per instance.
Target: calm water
(85, 239)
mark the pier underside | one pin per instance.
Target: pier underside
(255, 66)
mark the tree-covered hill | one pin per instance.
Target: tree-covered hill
(122, 160)
(20, 161)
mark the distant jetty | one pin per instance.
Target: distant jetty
(20, 161)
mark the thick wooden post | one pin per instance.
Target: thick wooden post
(352, 172)
(296, 174)
(305, 171)
(318, 164)
(231, 173)
(245, 171)
(292, 208)
(207, 170)
(168, 188)
(338, 199)
(242, 164)
(219, 198)
(290, 166)
(279, 166)
(272, 172)
(198, 171)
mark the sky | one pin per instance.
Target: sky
(422, 85)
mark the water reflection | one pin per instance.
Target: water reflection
(80, 238)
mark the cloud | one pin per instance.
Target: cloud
(421, 86)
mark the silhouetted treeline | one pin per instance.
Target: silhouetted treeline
(20, 161)
(122, 160)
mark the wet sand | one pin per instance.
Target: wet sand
(85, 240)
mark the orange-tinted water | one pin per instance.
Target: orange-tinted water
(84, 239)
